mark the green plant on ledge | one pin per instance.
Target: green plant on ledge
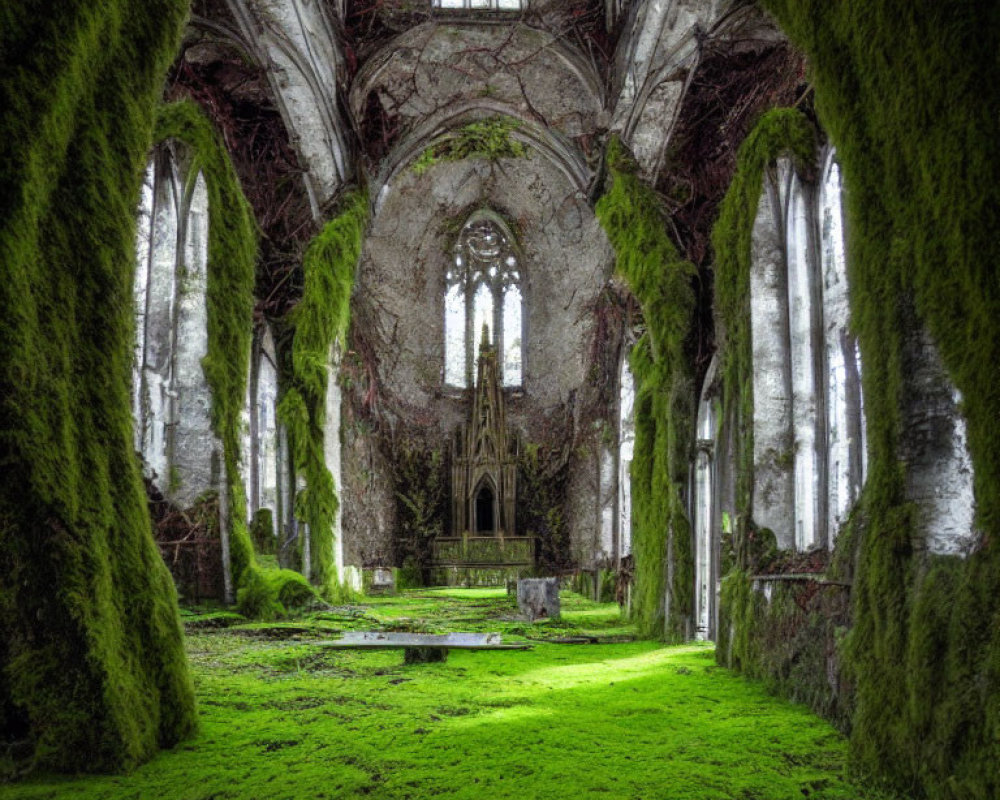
(489, 139)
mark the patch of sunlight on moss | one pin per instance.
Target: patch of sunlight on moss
(578, 675)
(607, 612)
(461, 593)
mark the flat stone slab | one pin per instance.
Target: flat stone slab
(393, 639)
(420, 647)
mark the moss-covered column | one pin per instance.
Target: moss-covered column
(92, 667)
(632, 216)
(321, 320)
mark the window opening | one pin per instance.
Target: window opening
(704, 502)
(626, 449)
(803, 319)
(483, 290)
(845, 413)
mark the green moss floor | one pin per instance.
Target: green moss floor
(604, 717)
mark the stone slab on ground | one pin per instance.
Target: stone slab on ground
(420, 648)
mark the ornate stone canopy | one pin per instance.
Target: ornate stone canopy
(484, 458)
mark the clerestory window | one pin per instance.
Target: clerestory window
(483, 289)
(480, 5)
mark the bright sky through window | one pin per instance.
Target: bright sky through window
(483, 288)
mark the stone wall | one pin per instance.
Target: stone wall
(400, 298)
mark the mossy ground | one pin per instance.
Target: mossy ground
(281, 717)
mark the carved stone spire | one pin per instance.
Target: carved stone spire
(484, 466)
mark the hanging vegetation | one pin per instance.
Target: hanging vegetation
(632, 216)
(92, 670)
(320, 320)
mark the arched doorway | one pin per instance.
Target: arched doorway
(485, 504)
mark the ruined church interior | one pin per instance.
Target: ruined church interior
(629, 365)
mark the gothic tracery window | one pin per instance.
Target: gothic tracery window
(483, 289)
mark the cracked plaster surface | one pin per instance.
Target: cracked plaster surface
(434, 67)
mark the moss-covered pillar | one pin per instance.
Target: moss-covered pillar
(93, 669)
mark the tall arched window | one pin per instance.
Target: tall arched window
(704, 517)
(483, 289)
(809, 428)
(626, 450)
(845, 421)
(803, 320)
(171, 399)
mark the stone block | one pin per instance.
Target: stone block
(382, 581)
(538, 597)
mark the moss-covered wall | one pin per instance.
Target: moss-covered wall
(92, 669)
(904, 90)
(633, 218)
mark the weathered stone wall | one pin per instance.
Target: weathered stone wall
(565, 262)
(438, 70)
